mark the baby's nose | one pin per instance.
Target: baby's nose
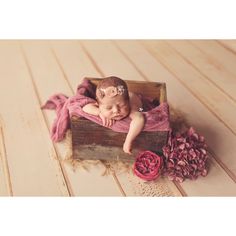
(116, 109)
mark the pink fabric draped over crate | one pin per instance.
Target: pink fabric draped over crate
(156, 117)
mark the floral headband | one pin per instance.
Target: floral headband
(112, 91)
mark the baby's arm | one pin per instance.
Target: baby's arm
(93, 109)
(135, 128)
(136, 124)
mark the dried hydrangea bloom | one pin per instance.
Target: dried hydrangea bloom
(185, 156)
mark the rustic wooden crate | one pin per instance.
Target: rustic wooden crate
(94, 142)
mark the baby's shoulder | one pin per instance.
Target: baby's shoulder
(133, 95)
(135, 101)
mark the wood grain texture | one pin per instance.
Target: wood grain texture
(33, 170)
(92, 141)
(224, 57)
(208, 66)
(228, 44)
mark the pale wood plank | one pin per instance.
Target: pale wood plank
(213, 98)
(112, 61)
(218, 137)
(216, 183)
(5, 181)
(206, 65)
(222, 56)
(50, 79)
(94, 183)
(33, 169)
(73, 61)
(229, 44)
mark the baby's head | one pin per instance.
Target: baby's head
(113, 98)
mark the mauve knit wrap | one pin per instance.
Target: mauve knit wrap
(156, 117)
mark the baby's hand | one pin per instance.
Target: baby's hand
(127, 147)
(106, 122)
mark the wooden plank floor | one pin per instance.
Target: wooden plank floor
(201, 84)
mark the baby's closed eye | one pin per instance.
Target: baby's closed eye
(122, 105)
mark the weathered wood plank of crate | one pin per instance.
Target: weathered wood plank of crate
(92, 141)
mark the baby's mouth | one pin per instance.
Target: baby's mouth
(120, 116)
(117, 117)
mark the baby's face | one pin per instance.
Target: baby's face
(115, 108)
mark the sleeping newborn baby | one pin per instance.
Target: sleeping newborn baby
(115, 102)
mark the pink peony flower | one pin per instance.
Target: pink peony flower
(148, 165)
(185, 156)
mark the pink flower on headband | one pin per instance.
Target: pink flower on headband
(112, 91)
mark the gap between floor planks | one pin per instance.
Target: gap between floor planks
(5, 178)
